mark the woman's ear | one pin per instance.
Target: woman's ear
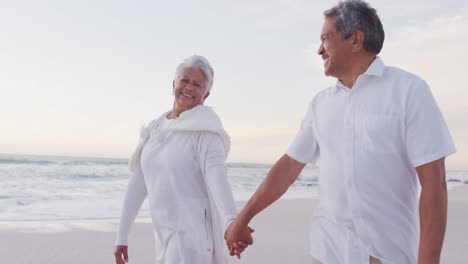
(206, 96)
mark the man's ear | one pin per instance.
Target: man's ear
(357, 40)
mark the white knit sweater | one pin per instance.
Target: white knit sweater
(180, 167)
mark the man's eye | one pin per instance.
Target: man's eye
(325, 38)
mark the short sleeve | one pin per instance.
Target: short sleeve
(304, 147)
(426, 133)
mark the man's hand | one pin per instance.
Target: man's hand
(283, 173)
(238, 237)
(239, 247)
(121, 254)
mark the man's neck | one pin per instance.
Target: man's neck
(359, 66)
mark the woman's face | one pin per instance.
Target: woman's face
(189, 89)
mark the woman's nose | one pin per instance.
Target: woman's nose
(189, 86)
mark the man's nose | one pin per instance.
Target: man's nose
(320, 49)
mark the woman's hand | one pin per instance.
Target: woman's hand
(121, 254)
(239, 244)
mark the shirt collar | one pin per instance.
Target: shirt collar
(340, 85)
(376, 68)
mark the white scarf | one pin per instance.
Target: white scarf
(199, 118)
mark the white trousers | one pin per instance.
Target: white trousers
(372, 260)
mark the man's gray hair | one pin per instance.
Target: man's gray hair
(353, 15)
(199, 62)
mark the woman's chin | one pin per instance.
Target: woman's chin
(184, 106)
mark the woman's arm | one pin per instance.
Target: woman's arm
(212, 159)
(134, 197)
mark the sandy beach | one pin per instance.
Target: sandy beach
(281, 237)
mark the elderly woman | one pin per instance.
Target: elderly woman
(179, 166)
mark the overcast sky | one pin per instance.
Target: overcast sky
(80, 77)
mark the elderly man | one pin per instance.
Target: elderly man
(377, 132)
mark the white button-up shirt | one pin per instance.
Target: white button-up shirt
(370, 139)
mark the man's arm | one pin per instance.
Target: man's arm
(279, 178)
(432, 211)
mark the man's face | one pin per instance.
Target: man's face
(335, 51)
(189, 89)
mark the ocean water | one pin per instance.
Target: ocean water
(69, 188)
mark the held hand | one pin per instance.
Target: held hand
(236, 232)
(121, 254)
(239, 246)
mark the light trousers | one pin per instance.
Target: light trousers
(372, 260)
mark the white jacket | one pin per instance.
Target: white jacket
(179, 189)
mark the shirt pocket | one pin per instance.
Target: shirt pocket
(208, 248)
(198, 227)
(381, 134)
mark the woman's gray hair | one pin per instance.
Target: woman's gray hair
(199, 62)
(353, 15)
